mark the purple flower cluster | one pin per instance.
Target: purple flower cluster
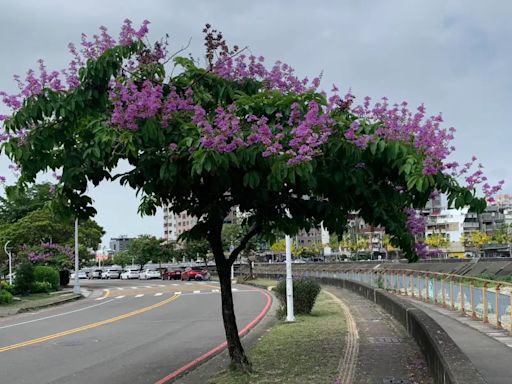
(46, 251)
(415, 222)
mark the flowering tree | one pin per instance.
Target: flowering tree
(231, 132)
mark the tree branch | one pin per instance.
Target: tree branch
(248, 236)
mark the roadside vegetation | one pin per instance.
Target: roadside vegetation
(306, 351)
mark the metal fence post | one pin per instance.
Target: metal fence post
(419, 287)
(443, 290)
(484, 299)
(404, 283)
(427, 290)
(472, 300)
(462, 302)
(497, 308)
(411, 278)
(452, 302)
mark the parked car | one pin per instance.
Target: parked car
(130, 274)
(149, 273)
(95, 274)
(111, 274)
(195, 273)
(81, 275)
(173, 274)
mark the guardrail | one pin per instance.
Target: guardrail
(487, 300)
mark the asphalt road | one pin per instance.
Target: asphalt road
(125, 331)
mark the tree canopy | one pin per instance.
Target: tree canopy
(206, 137)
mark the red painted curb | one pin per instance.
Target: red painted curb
(218, 348)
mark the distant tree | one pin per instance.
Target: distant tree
(122, 258)
(146, 248)
(18, 203)
(437, 241)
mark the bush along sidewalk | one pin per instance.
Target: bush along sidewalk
(6, 290)
(305, 292)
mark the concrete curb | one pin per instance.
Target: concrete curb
(446, 361)
(37, 304)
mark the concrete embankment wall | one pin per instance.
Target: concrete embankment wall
(447, 363)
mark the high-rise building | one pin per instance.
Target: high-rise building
(119, 244)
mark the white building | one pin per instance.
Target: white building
(176, 223)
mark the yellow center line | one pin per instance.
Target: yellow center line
(87, 326)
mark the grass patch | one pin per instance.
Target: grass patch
(306, 351)
(264, 283)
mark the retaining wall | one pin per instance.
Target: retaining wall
(447, 363)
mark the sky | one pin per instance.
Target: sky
(453, 56)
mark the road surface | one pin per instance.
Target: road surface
(126, 331)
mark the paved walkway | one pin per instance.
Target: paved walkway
(489, 349)
(385, 352)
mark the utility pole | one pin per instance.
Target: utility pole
(76, 286)
(289, 280)
(8, 252)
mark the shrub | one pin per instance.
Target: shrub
(5, 297)
(41, 287)
(47, 274)
(305, 292)
(24, 279)
(5, 286)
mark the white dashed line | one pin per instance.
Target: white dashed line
(234, 289)
(148, 286)
(177, 293)
(120, 289)
(188, 283)
(139, 295)
(159, 294)
(161, 285)
(120, 297)
(175, 285)
(134, 287)
(100, 298)
(215, 290)
(196, 292)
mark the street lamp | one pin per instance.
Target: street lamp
(8, 252)
(76, 286)
(289, 280)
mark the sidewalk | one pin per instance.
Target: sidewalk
(387, 354)
(489, 349)
(63, 296)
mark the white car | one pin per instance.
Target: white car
(111, 274)
(149, 273)
(81, 275)
(130, 274)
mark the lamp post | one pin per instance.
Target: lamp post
(8, 252)
(76, 286)
(289, 280)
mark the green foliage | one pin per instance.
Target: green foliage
(147, 248)
(305, 292)
(17, 203)
(5, 286)
(122, 258)
(42, 287)
(48, 275)
(24, 279)
(5, 297)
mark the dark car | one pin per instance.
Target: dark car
(195, 273)
(172, 274)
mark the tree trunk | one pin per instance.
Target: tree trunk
(236, 351)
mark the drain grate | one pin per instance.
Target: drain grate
(393, 380)
(385, 340)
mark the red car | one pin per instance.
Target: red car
(174, 274)
(195, 273)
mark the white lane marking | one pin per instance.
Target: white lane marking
(120, 289)
(100, 298)
(159, 294)
(120, 297)
(215, 290)
(148, 286)
(188, 283)
(177, 293)
(134, 287)
(58, 315)
(196, 292)
(234, 289)
(139, 295)
(161, 285)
